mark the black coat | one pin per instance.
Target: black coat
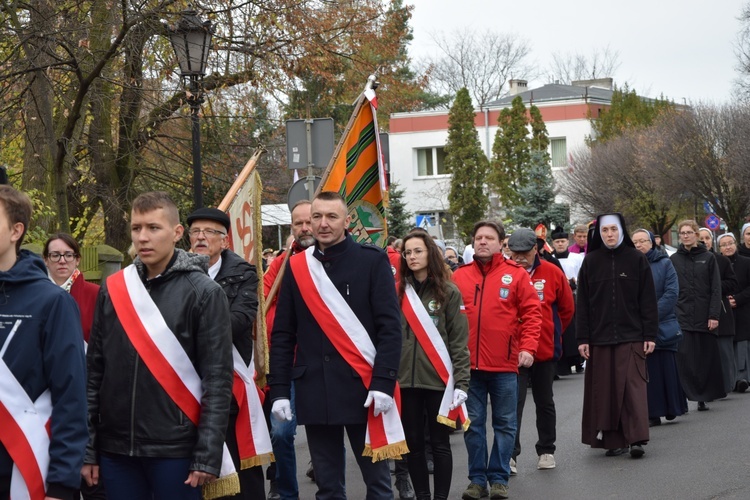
(742, 297)
(328, 390)
(616, 299)
(129, 411)
(700, 288)
(729, 286)
(239, 281)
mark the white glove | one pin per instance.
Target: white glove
(459, 398)
(383, 402)
(282, 410)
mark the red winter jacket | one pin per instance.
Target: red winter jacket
(503, 311)
(558, 307)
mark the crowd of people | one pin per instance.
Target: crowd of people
(144, 386)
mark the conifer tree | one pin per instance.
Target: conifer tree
(628, 110)
(538, 197)
(539, 137)
(510, 153)
(399, 219)
(467, 164)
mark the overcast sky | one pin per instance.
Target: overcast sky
(681, 48)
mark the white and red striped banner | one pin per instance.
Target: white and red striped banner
(434, 347)
(24, 432)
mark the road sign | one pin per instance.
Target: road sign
(708, 208)
(424, 221)
(315, 145)
(713, 222)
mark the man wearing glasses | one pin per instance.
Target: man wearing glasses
(239, 280)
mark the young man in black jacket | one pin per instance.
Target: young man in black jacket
(160, 368)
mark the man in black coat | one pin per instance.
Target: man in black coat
(331, 395)
(208, 236)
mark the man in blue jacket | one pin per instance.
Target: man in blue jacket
(42, 369)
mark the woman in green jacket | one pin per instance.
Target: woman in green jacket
(434, 371)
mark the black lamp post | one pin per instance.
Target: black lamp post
(191, 39)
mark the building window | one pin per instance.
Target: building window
(559, 151)
(430, 162)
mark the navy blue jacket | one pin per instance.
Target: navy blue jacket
(46, 352)
(667, 291)
(327, 390)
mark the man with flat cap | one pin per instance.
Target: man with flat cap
(557, 304)
(239, 280)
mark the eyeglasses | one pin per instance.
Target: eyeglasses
(727, 245)
(416, 252)
(686, 233)
(67, 256)
(640, 242)
(206, 232)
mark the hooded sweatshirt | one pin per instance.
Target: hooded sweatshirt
(46, 352)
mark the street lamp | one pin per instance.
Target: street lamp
(191, 39)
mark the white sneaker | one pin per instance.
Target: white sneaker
(513, 468)
(546, 461)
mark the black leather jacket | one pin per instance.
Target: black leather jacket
(129, 411)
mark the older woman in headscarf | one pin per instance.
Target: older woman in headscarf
(743, 246)
(729, 286)
(665, 395)
(740, 303)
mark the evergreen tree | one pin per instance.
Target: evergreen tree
(538, 197)
(467, 164)
(539, 136)
(628, 110)
(399, 219)
(510, 153)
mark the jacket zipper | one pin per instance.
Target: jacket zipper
(132, 408)
(479, 314)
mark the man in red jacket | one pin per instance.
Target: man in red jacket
(556, 300)
(504, 322)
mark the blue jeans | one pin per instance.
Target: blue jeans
(282, 441)
(145, 478)
(502, 389)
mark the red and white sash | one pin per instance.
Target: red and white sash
(165, 358)
(24, 432)
(253, 439)
(385, 435)
(434, 347)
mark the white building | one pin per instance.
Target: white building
(417, 140)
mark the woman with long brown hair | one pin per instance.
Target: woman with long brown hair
(434, 371)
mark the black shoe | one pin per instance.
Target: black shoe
(310, 472)
(579, 368)
(272, 493)
(615, 452)
(702, 406)
(653, 422)
(742, 385)
(403, 486)
(670, 417)
(636, 451)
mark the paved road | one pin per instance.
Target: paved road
(702, 455)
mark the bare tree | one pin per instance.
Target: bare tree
(481, 62)
(705, 152)
(742, 52)
(568, 67)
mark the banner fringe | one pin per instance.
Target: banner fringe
(264, 459)
(394, 450)
(225, 486)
